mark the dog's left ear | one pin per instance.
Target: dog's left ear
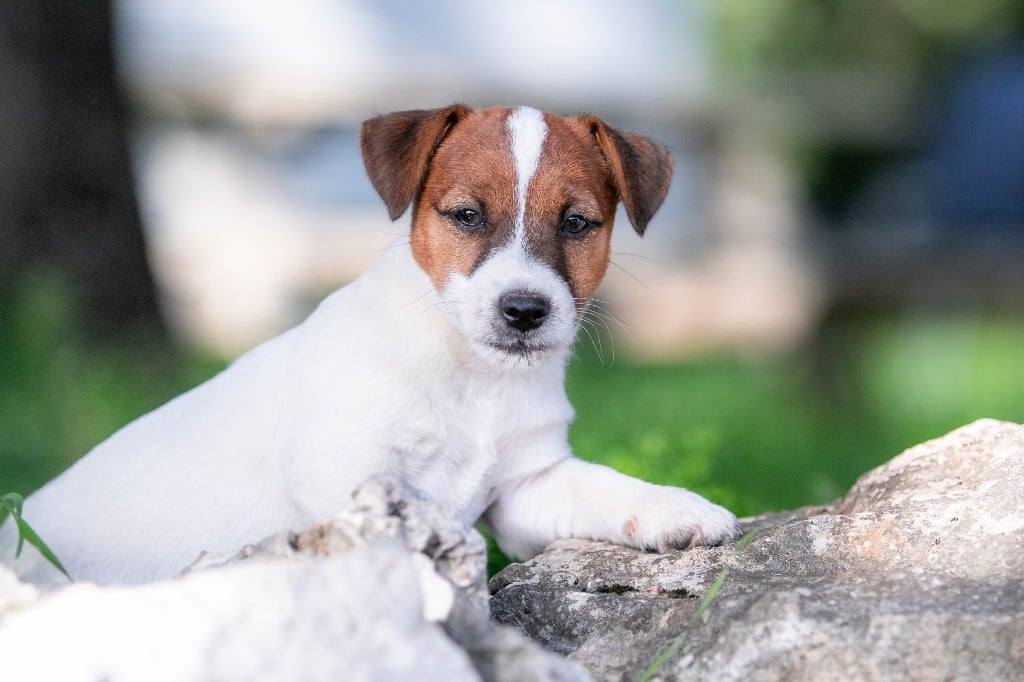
(641, 170)
(397, 149)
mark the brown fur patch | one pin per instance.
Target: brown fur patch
(571, 178)
(640, 170)
(446, 159)
(631, 529)
(472, 168)
(397, 149)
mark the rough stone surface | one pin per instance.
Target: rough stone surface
(917, 573)
(389, 589)
(355, 616)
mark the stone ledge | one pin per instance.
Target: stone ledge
(918, 572)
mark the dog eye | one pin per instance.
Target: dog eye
(574, 226)
(468, 217)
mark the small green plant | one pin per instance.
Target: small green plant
(672, 648)
(11, 503)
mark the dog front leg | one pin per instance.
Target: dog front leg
(577, 499)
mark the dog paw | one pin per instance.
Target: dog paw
(674, 518)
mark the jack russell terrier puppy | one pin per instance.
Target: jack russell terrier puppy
(443, 366)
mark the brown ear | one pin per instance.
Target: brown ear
(641, 170)
(397, 149)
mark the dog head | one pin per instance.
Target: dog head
(512, 214)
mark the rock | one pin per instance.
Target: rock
(448, 556)
(13, 593)
(354, 616)
(917, 573)
(390, 588)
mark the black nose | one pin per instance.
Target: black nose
(524, 311)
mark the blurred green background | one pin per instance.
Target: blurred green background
(754, 435)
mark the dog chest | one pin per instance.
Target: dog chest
(468, 435)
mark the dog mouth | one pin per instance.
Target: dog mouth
(515, 344)
(518, 347)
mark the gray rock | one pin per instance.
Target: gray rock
(353, 616)
(917, 573)
(450, 558)
(457, 559)
(391, 588)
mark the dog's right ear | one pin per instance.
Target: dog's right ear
(397, 149)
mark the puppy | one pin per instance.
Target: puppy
(443, 366)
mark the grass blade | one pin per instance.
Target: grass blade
(12, 504)
(26, 534)
(672, 648)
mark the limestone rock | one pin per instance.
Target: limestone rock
(391, 588)
(917, 573)
(448, 556)
(354, 616)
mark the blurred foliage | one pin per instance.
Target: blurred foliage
(60, 392)
(755, 436)
(759, 436)
(894, 36)
(848, 84)
(771, 435)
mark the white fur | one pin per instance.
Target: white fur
(375, 381)
(528, 132)
(388, 375)
(471, 305)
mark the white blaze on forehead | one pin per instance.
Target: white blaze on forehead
(528, 131)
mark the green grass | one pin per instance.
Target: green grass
(61, 394)
(755, 436)
(772, 435)
(11, 505)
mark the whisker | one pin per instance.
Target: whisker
(606, 317)
(415, 300)
(392, 246)
(606, 314)
(650, 259)
(592, 299)
(611, 342)
(408, 242)
(593, 343)
(594, 320)
(631, 275)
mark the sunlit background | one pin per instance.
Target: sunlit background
(837, 274)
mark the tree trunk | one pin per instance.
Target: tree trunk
(67, 201)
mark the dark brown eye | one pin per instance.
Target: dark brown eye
(574, 226)
(467, 218)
